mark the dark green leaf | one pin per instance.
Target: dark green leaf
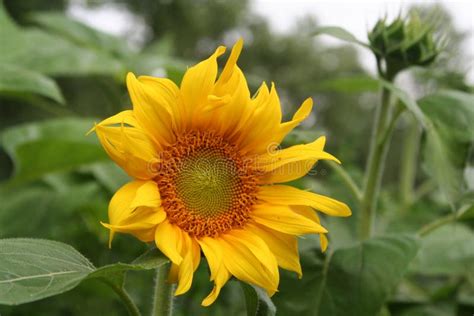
(352, 281)
(22, 81)
(257, 301)
(32, 269)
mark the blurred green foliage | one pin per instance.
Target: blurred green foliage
(58, 76)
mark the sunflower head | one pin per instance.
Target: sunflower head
(205, 181)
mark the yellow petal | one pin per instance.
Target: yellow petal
(272, 160)
(300, 115)
(232, 83)
(244, 265)
(168, 240)
(293, 170)
(154, 106)
(135, 209)
(283, 219)
(128, 145)
(283, 246)
(186, 267)
(264, 122)
(308, 212)
(219, 274)
(259, 248)
(198, 82)
(288, 195)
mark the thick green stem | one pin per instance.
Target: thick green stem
(163, 295)
(374, 169)
(408, 161)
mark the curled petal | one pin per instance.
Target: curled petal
(135, 209)
(128, 145)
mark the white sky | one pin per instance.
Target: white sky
(359, 16)
(355, 16)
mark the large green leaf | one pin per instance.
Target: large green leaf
(352, 281)
(32, 269)
(257, 301)
(448, 250)
(56, 145)
(20, 81)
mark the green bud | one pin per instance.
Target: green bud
(403, 43)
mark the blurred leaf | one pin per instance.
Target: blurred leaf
(447, 119)
(32, 269)
(39, 51)
(109, 174)
(452, 112)
(80, 33)
(352, 281)
(448, 250)
(449, 139)
(257, 301)
(339, 33)
(20, 81)
(56, 145)
(408, 102)
(45, 211)
(353, 84)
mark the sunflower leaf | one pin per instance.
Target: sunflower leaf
(32, 269)
(355, 280)
(257, 301)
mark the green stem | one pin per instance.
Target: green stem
(346, 177)
(375, 163)
(126, 299)
(428, 228)
(163, 296)
(408, 162)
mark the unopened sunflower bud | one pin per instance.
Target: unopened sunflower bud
(403, 43)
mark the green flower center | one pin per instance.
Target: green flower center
(207, 183)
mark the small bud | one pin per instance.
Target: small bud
(403, 43)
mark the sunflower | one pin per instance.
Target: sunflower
(207, 176)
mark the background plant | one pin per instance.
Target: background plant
(406, 251)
